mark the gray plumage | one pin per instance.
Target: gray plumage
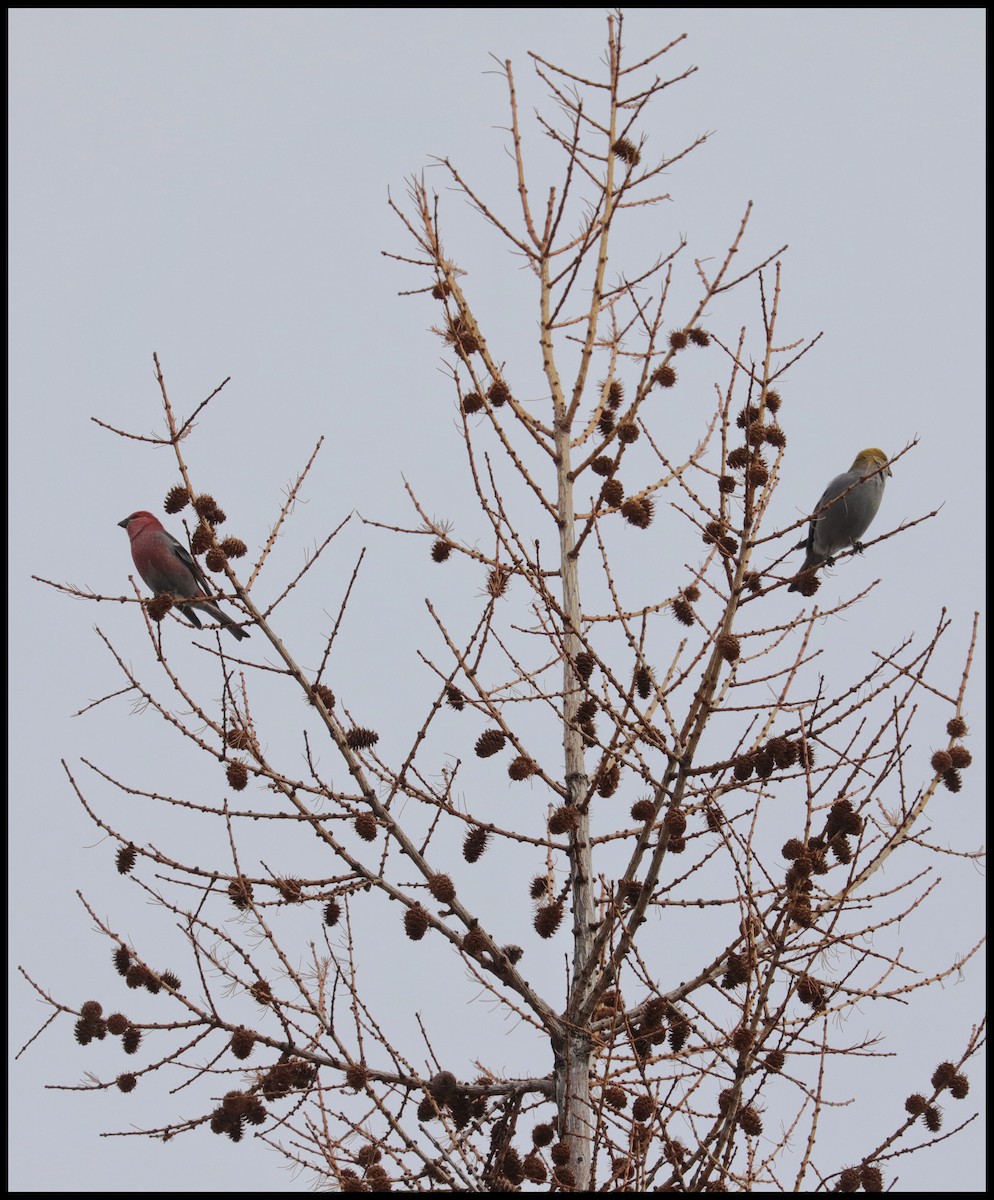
(845, 510)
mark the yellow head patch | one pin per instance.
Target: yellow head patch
(872, 457)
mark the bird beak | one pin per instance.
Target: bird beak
(123, 524)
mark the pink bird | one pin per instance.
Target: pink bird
(168, 567)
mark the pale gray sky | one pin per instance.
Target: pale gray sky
(211, 185)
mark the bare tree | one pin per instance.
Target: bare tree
(669, 772)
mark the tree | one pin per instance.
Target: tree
(668, 771)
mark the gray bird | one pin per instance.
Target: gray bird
(845, 510)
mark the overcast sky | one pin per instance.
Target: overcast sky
(212, 185)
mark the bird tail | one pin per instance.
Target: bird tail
(215, 614)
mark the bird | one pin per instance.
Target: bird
(170, 569)
(845, 510)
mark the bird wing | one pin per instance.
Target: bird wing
(823, 512)
(191, 564)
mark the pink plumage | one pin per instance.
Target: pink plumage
(168, 567)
